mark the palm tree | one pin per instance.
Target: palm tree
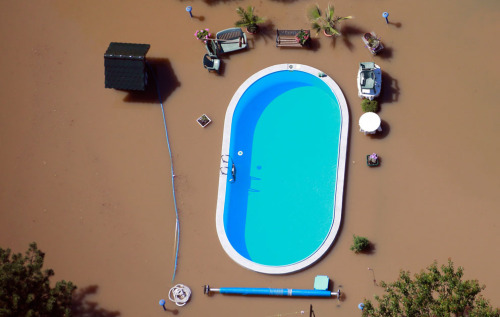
(326, 23)
(248, 19)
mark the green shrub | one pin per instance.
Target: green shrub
(369, 105)
(433, 292)
(26, 288)
(359, 244)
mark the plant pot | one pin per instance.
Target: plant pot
(370, 163)
(204, 120)
(306, 42)
(373, 44)
(326, 34)
(252, 29)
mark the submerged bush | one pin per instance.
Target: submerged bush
(432, 292)
(369, 105)
(25, 287)
(359, 244)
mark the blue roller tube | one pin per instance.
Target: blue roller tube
(275, 292)
(272, 291)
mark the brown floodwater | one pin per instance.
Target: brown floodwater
(86, 171)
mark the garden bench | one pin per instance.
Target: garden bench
(287, 38)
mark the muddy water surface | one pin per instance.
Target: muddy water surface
(85, 170)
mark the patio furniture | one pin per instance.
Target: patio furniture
(369, 123)
(372, 43)
(226, 41)
(211, 63)
(230, 40)
(125, 66)
(288, 38)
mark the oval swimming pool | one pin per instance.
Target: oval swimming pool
(282, 169)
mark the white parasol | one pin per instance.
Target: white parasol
(369, 122)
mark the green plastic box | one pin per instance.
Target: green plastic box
(321, 282)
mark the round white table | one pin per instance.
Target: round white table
(369, 122)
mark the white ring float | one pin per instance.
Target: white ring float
(179, 294)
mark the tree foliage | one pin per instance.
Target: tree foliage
(248, 18)
(328, 22)
(433, 293)
(25, 289)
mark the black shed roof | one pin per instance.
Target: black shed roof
(125, 66)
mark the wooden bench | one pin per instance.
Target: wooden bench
(287, 38)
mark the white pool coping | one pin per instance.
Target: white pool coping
(339, 190)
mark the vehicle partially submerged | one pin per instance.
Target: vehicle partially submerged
(369, 80)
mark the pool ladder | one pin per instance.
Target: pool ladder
(224, 164)
(224, 169)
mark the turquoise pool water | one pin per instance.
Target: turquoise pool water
(279, 208)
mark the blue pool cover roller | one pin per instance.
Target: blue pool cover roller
(272, 291)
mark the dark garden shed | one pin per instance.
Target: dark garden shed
(125, 66)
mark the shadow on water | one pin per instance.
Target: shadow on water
(348, 32)
(82, 307)
(386, 53)
(314, 44)
(311, 311)
(334, 41)
(390, 89)
(215, 2)
(170, 311)
(222, 68)
(386, 129)
(396, 24)
(285, 1)
(371, 246)
(200, 18)
(267, 32)
(164, 75)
